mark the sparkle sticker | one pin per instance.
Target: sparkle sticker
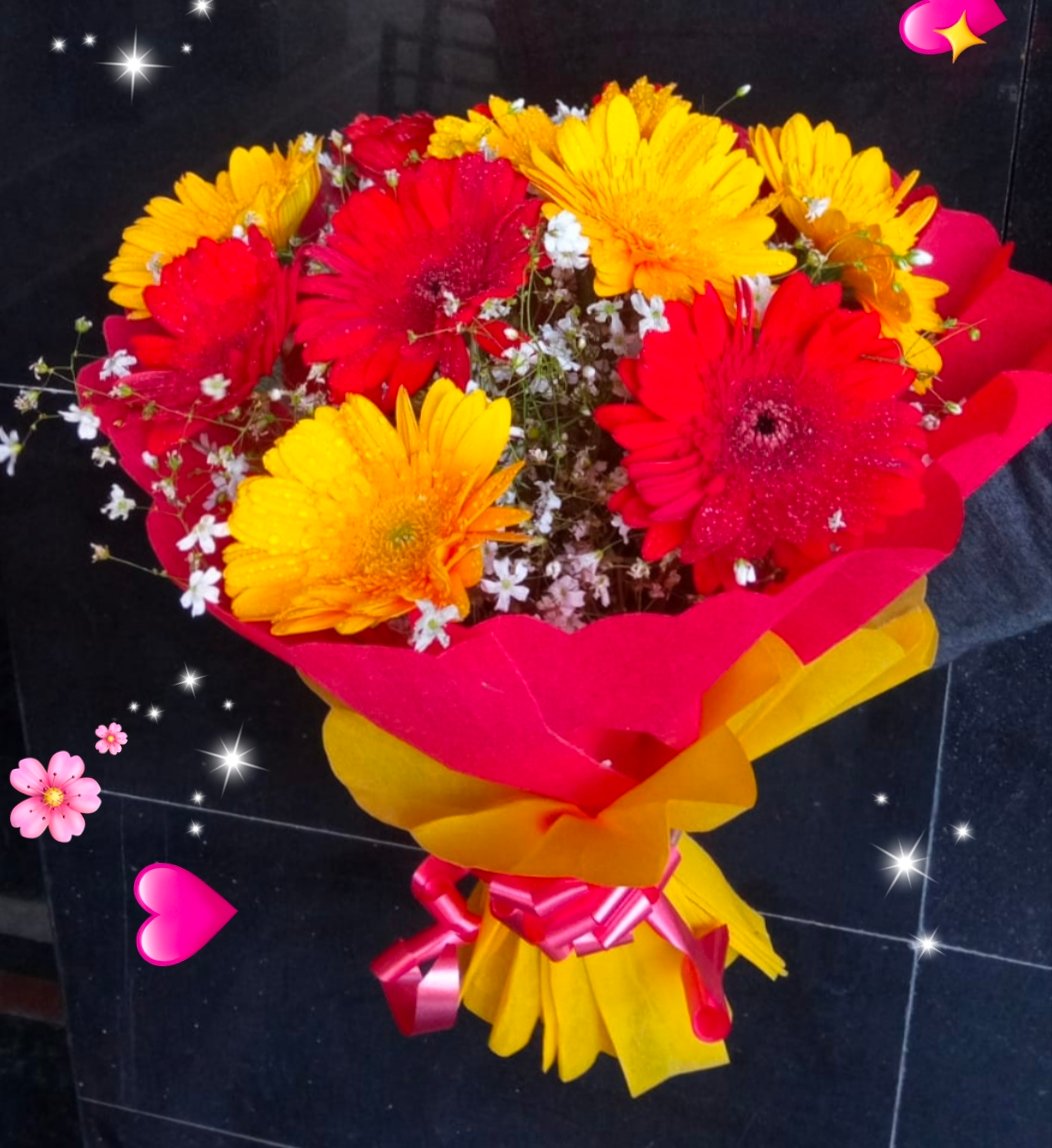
(933, 27)
(133, 64)
(905, 864)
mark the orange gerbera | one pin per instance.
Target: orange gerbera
(266, 189)
(358, 521)
(665, 214)
(846, 204)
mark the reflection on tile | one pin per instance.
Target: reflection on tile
(978, 1066)
(810, 848)
(991, 891)
(281, 1009)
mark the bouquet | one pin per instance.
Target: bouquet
(577, 460)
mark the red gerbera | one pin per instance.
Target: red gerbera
(220, 312)
(218, 318)
(774, 451)
(380, 145)
(409, 269)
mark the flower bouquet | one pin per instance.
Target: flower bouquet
(577, 460)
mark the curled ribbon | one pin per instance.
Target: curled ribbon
(427, 1002)
(559, 916)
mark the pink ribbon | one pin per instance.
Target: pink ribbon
(428, 1001)
(559, 916)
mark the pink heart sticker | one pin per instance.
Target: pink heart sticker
(185, 913)
(919, 25)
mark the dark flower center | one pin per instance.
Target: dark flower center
(764, 426)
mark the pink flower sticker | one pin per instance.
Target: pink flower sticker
(111, 738)
(58, 796)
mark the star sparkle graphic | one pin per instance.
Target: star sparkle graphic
(195, 829)
(232, 759)
(905, 865)
(58, 44)
(925, 944)
(228, 704)
(190, 680)
(186, 49)
(202, 8)
(880, 798)
(89, 39)
(197, 797)
(135, 64)
(154, 713)
(133, 707)
(963, 831)
(960, 36)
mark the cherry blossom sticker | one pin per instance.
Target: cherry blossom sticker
(111, 738)
(58, 797)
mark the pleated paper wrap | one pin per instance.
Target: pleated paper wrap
(615, 829)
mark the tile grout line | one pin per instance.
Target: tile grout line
(904, 940)
(199, 809)
(903, 1054)
(188, 1123)
(837, 928)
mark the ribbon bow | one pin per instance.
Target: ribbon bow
(558, 915)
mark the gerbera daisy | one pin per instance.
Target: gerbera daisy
(506, 129)
(377, 145)
(267, 189)
(410, 268)
(664, 215)
(220, 315)
(651, 102)
(847, 205)
(512, 131)
(755, 454)
(357, 521)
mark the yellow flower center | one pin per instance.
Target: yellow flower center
(398, 541)
(53, 796)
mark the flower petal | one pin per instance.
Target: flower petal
(64, 767)
(30, 776)
(30, 817)
(83, 795)
(65, 823)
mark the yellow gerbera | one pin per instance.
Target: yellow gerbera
(357, 521)
(665, 214)
(846, 205)
(511, 132)
(268, 189)
(651, 102)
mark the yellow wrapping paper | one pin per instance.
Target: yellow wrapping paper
(628, 1001)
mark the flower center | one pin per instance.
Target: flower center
(764, 426)
(53, 796)
(401, 537)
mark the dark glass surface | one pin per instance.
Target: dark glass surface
(276, 1033)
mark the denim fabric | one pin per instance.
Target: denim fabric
(998, 583)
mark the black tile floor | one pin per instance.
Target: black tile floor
(275, 1033)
